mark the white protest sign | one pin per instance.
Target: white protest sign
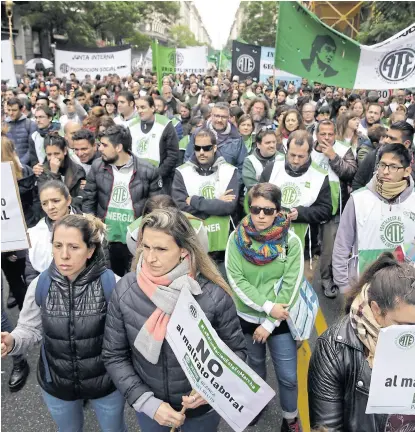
(13, 226)
(228, 384)
(7, 65)
(192, 60)
(392, 386)
(93, 61)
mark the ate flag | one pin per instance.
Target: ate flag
(246, 60)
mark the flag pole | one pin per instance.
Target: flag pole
(158, 69)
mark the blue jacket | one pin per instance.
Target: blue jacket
(232, 148)
(20, 132)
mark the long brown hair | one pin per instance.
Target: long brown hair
(8, 154)
(281, 130)
(341, 127)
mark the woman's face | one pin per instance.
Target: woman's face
(33, 98)
(110, 108)
(245, 128)
(235, 95)
(291, 122)
(103, 100)
(70, 252)
(353, 123)
(53, 151)
(258, 90)
(358, 109)
(342, 110)
(160, 252)
(53, 107)
(402, 313)
(262, 221)
(54, 204)
(206, 100)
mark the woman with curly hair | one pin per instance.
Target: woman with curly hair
(290, 122)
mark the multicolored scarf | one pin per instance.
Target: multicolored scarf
(164, 292)
(273, 239)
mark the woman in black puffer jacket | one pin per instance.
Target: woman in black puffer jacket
(146, 371)
(66, 307)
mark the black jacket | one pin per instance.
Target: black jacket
(144, 183)
(338, 382)
(133, 375)
(28, 196)
(73, 322)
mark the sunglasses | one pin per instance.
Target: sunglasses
(268, 211)
(207, 148)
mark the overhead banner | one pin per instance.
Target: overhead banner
(267, 69)
(13, 225)
(227, 383)
(7, 65)
(93, 61)
(246, 60)
(392, 385)
(316, 51)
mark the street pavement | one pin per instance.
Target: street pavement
(25, 411)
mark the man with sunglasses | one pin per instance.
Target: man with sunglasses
(378, 218)
(207, 187)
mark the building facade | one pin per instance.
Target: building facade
(237, 22)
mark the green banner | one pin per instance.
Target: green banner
(164, 60)
(307, 47)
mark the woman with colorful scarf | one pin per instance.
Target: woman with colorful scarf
(262, 253)
(139, 360)
(341, 366)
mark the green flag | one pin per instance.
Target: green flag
(307, 47)
(225, 60)
(164, 60)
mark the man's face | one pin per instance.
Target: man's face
(390, 169)
(159, 106)
(215, 91)
(400, 96)
(167, 93)
(317, 87)
(184, 112)
(81, 100)
(233, 103)
(268, 146)
(145, 112)
(204, 151)
(124, 106)
(84, 150)
(373, 114)
(326, 53)
(291, 89)
(70, 106)
(193, 87)
(304, 81)
(9, 95)
(108, 152)
(297, 156)
(14, 112)
(69, 133)
(42, 120)
(326, 135)
(308, 113)
(166, 81)
(235, 85)
(329, 93)
(336, 96)
(219, 118)
(242, 87)
(281, 97)
(53, 92)
(147, 85)
(393, 136)
(258, 111)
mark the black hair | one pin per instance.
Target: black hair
(324, 109)
(127, 95)
(148, 99)
(119, 135)
(267, 191)
(46, 110)
(263, 133)
(54, 139)
(157, 202)
(279, 90)
(159, 98)
(325, 123)
(319, 42)
(236, 111)
(205, 132)
(15, 101)
(399, 151)
(54, 85)
(55, 184)
(80, 93)
(299, 137)
(406, 129)
(84, 134)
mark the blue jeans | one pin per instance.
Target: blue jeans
(283, 351)
(69, 415)
(208, 422)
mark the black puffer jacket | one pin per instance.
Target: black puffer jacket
(339, 381)
(144, 183)
(28, 195)
(73, 321)
(128, 311)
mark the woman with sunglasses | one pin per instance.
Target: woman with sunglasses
(261, 253)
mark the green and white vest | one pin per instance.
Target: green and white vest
(298, 191)
(147, 145)
(120, 212)
(184, 142)
(210, 187)
(381, 227)
(323, 162)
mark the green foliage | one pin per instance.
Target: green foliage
(86, 21)
(259, 27)
(181, 37)
(386, 19)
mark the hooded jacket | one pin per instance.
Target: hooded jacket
(20, 132)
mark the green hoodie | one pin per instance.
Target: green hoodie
(253, 286)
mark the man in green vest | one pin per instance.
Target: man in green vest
(161, 108)
(378, 218)
(207, 187)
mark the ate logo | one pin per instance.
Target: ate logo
(290, 195)
(64, 68)
(245, 64)
(142, 146)
(176, 58)
(397, 65)
(405, 340)
(120, 194)
(392, 232)
(208, 192)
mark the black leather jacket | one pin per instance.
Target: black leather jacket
(338, 383)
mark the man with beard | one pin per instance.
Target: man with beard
(258, 109)
(316, 91)
(161, 108)
(215, 92)
(327, 100)
(119, 173)
(304, 185)
(292, 96)
(172, 103)
(373, 116)
(225, 88)
(281, 97)
(193, 96)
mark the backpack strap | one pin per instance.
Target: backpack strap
(27, 125)
(108, 283)
(42, 287)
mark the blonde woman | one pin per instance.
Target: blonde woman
(144, 368)
(347, 125)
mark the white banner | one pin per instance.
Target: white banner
(192, 60)
(13, 226)
(389, 64)
(233, 389)
(392, 386)
(103, 61)
(7, 65)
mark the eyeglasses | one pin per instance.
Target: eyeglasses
(207, 148)
(40, 117)
(225, 117)
(268, 211)
(392, 168)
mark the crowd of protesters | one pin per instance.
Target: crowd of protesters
(196, 182)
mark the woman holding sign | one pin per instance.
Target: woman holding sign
(261, 252)
(137, 357)
(341, 366)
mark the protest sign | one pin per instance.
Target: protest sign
(13, 225)
(92, 61)
(233, 389)
(246, 60)
(7, 65)
(392, 386)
